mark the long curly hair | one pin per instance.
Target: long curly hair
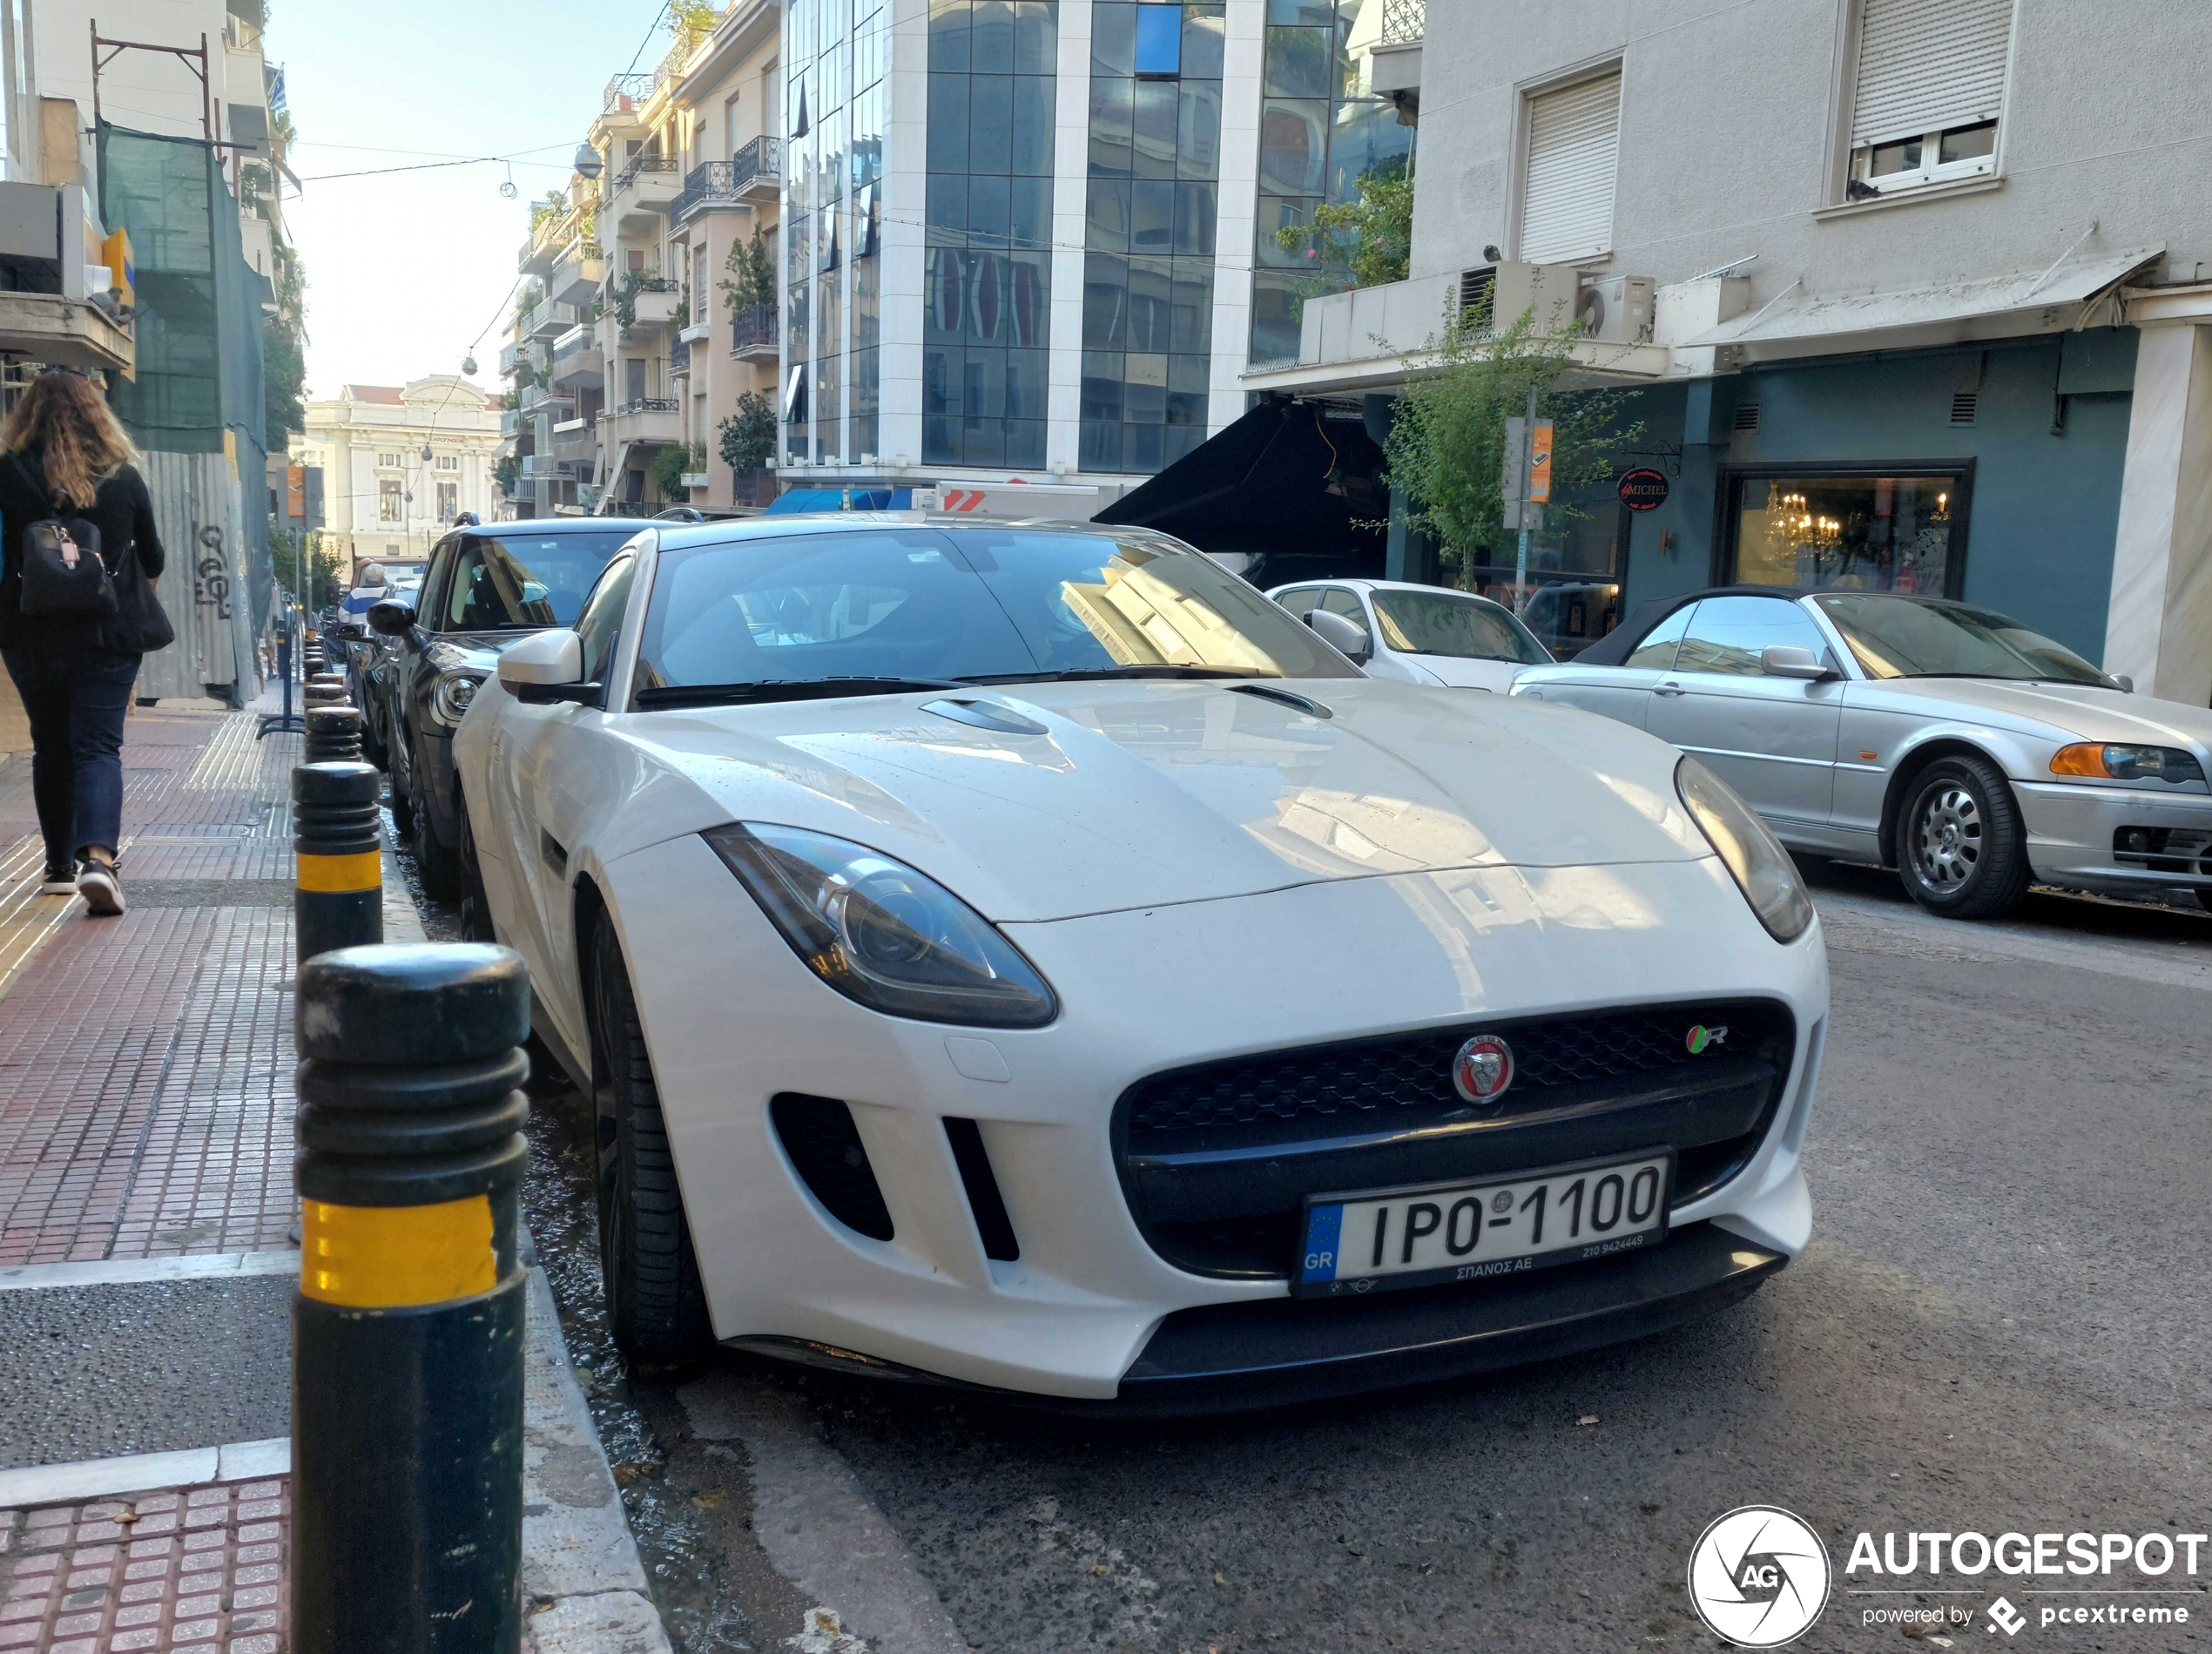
(65, 421)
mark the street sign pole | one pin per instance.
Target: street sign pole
(1520, 557)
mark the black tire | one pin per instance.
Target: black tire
(403, 808)
(373, 749)
(1961, 849)
(655, 1303)
(438, 862)
(475, 901)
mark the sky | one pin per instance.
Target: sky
(408, 271)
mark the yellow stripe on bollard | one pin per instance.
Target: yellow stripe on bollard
(341, 873)
(394, 1257)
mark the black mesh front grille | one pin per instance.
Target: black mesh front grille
(1413, 1072)
(826, 1150)
(1217, 1159)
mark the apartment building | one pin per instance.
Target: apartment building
(1911, 295)
(399, 463)
(638, 329)
(154, 118)
(1034, 240)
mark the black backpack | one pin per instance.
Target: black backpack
(63, 571)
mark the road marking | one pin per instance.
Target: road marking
(48, 1484)
(109, 1272)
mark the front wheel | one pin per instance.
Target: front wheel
(655, 1303)
(435, 861)
(1961, 849)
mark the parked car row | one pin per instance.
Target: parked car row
(950, 921)
(1026, 956)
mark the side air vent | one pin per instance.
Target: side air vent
(1747, 416)
(825, 1147)
(983, 1197)
(1478, 295)
(1963, 405)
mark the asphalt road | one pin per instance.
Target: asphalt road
(2004, 1324)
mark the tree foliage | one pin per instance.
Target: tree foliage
(299, 556)
(751, 278)
(670, 465)
(283, 382)
(505, 471)
(749, 436)
(1371, 237)
(1447, 444)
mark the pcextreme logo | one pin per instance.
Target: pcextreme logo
(1758, 1576)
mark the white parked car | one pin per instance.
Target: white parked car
(1415, 634)
(1968, 750)
(1023, 956)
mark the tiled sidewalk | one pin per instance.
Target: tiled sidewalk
(193, 1570)
(145, 1061)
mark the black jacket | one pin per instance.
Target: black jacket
(129, 544)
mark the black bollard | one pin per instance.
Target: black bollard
(406, 1388)
(334, 734)
(339, 900)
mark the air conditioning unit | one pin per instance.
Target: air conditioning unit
(1496, 295)
(1617, 309)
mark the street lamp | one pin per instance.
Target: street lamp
(468, 365)
(587, 161)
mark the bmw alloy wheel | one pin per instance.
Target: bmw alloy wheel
(1946, 840)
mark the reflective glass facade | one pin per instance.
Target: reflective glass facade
(988, 241)
(1321, 129)
(1154, 167)
(835, 101)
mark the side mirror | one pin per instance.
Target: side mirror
(548, 669)
(1341, 635)
(2125, 682)
(393, 617)
(1787, 661)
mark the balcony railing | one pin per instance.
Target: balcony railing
(1403, 21)
(646, 405)
(753, 332)
(643, 165)
(625, 92)
(755, 166)
(545, 468)
(709, 182)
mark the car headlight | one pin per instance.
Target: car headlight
(1762, 869)
(450, 696)
(2103, 761)
(882, 933)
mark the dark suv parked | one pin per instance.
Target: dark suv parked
(487, 586)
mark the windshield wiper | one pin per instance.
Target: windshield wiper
(1158, 668)
(785, 689)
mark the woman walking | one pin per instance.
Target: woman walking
(77, 610)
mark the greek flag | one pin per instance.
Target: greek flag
(277, 104)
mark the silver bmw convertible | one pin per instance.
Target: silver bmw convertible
(1971, 752)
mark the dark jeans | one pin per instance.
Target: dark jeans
(75, 699)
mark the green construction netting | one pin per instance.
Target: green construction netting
(198, 316)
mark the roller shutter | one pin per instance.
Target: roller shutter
(1573, 155)
(1926, 65)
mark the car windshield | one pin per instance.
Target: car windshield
(525, 580)
(989, 602)
(1437, 623)
(1899, 638)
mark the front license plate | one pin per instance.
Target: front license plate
(1388, 1238)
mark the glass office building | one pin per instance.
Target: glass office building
(1017, 231)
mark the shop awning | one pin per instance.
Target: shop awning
(2040, 301)
(1288, 488)
(833, 499)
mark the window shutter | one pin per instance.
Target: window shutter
(1573, 153)
(1926, 65)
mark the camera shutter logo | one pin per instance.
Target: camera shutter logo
(1758, 1576)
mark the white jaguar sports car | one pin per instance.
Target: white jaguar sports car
(1021, 957)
